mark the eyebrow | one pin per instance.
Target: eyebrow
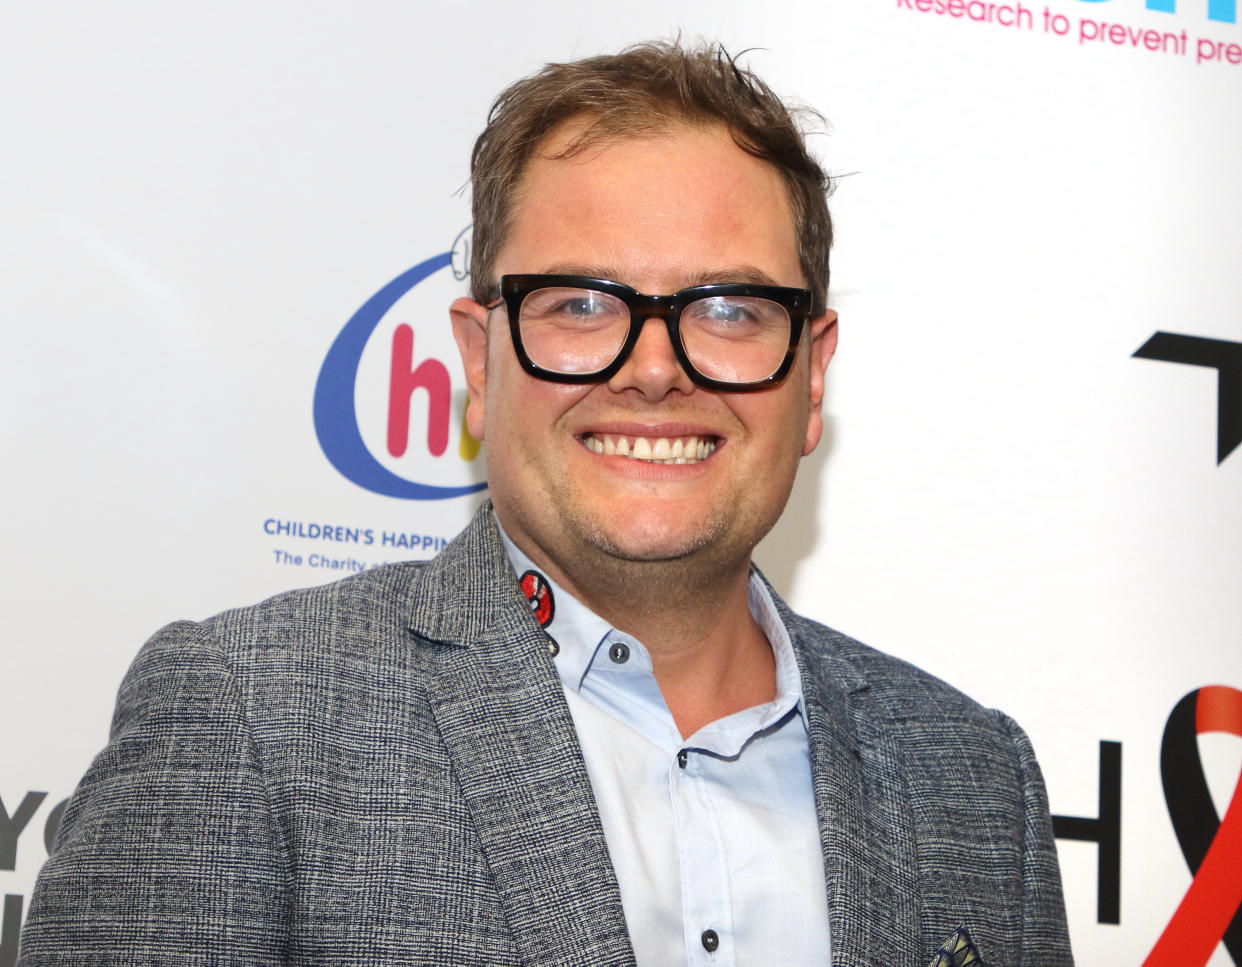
(739, 273)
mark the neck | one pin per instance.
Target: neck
(709, 656)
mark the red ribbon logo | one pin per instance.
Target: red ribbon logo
(1211, 911)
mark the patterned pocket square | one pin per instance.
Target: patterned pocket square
(957, 951)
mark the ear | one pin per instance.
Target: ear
(470, 330)
(823, 345)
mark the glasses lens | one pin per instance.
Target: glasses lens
(571, 330)
(735, 339)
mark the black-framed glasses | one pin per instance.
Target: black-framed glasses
(574, 329)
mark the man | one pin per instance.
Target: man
(587, 732)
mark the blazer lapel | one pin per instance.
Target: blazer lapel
(864, 813)
(502, 715)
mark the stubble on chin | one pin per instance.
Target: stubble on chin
(678, 570)
(602, 554)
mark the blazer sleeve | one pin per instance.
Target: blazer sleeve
(1045, 936)
(168, 851)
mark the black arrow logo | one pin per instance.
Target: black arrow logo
(1223, 356)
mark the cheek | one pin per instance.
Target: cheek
(782, 418)
(523, 413)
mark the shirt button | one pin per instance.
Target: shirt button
(553, 648)
(619, 653)
(682, 758)
(710, 940)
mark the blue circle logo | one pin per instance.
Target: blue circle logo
(384, 451)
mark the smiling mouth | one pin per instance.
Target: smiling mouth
(666, 450)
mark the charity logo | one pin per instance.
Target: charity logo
(539, 593)
(390, 401)
(1211, 911)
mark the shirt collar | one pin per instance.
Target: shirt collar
(579, 640)
(576, 631)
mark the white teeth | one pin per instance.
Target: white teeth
(662, 450)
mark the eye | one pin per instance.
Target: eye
(570, 307)
(586, 306)
(724, 311)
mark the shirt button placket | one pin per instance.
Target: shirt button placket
(706, 893)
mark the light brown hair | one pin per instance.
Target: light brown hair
(641, 91)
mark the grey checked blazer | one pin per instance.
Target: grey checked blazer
(384, 771)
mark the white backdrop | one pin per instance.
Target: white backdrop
(196, 199)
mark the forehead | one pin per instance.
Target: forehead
(666, 210)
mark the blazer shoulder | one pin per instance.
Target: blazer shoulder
(349, 634)
(371, 606)
(904, 693)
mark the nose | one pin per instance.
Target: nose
(652, 367)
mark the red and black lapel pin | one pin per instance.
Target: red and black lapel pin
(539, 593)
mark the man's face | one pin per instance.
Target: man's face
(658, 214)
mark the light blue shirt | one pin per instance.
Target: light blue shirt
(714, 838)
